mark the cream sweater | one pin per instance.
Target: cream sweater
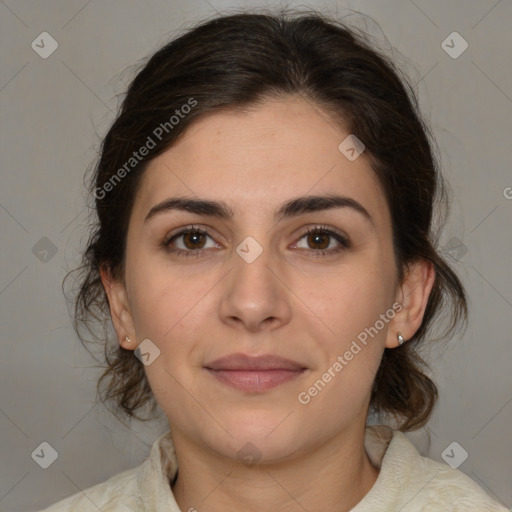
(407, 482)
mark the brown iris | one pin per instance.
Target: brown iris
(194, 237)
(313, 237)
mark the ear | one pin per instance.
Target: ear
(413, 294)
(119, 309)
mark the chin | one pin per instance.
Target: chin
(265, 434)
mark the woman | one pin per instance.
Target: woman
(265, 250)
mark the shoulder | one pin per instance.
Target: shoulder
(143, 488)
(118, 493)
(412, 483)
(451, 489)
(437, 486)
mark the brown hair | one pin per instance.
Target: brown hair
(239, 60)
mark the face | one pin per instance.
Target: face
(201, 287)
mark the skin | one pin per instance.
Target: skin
(288, 302)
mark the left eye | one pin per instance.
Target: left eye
(322, 238)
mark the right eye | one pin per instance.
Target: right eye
(192, 240)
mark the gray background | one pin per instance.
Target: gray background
(54, 112)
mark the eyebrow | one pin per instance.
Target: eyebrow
(292, 208)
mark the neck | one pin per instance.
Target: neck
(332, 477)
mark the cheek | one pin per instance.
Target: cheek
(172, 311)
(352, 346)
(350, 305)
(164, 299)
(351, 299)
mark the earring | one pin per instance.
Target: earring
(127, 339)
(400, 339)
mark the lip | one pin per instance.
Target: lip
(254, 373)
(248, 363)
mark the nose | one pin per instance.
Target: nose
(254, 295)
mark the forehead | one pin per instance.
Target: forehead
(257, 159)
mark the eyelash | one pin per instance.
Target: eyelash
(344, 242)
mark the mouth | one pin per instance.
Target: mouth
(254, 374)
